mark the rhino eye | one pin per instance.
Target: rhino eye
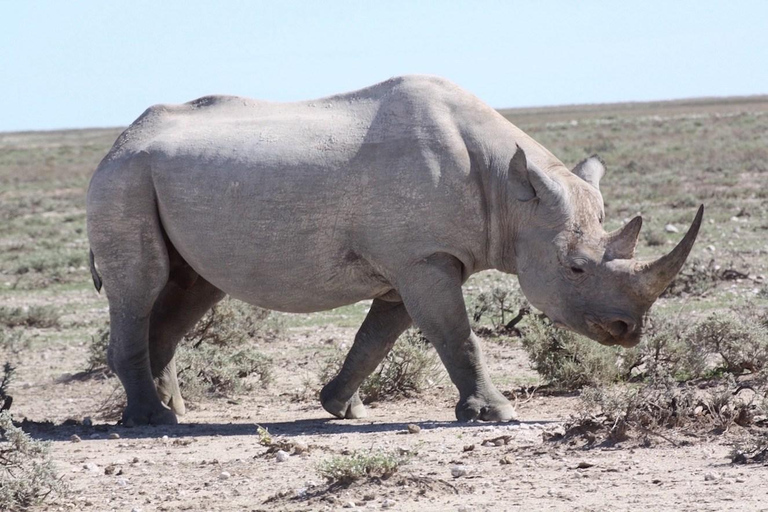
(577, 270)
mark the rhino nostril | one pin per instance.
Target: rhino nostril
(618, 328)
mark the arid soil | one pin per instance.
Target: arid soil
(213, 460)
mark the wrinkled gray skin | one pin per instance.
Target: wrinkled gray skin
(396, 193)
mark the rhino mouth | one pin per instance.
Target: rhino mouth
(603, 335)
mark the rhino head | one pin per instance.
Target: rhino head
(591, 282)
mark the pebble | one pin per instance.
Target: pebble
(671, 228)
(414, 429)
(114, 435)
(350, 504)
(135, 509)
(300, 447)
(224, 475)
(122, 482)
(388, 503)
(458, 471)
(281, 456)
(75, 438)
(90, 466)
(465, 508)
(710, 477)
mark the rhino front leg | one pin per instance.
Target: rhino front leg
(431, 291)
(175, 312)
(382, 326)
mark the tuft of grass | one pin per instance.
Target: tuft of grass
(27, 473)
(33, 316)
(411, 367)
(346, 469)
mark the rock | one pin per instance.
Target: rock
(710, 477)
(75, 438)
(110, 470)
(281, 456)
(135, 509)
(584, 465)
(91, 467)
(369, 497)
(350, 504)
(300, 447)
(122, 482)
(460, 470)
(114, 435)
(465, 508)
(414, 429)
(388, 503)
(469, 447)
(506, 460)
(224, 475)
(87, 421)
(671, 228)
(711, 248)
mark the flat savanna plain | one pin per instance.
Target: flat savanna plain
(663, 160)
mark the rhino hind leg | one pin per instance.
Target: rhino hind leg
(377, 335)
(431, 291)
(175, 312)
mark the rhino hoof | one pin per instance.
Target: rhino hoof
(158, 417)
(351, 409)
(472, 410)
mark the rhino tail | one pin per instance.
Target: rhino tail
(94, 273)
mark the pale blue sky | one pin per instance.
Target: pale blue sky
(71, 64)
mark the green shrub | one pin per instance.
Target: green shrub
(741, 343)
(502, 307)
(97, 351)
(411, 367)
(566, 360)
(345, 469)
(232, 322)
(27, 473)
(210, 370)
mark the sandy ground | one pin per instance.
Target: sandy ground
(213, 459)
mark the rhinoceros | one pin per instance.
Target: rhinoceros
(397, 193)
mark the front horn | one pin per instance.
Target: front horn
(654, 276)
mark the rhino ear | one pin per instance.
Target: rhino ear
(529, 182)
(590, 170)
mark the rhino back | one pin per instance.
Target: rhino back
(311, 205)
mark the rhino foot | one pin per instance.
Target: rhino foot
(163, 416)
(351, 409)
(476, 408)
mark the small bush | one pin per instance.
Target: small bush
(27, 474)
(345, 469)
(741, 343)
(617, 411)
(502, 307)
(97, 351)
(566, 360)
(411, 367)
(231, 322)
(209, 370)
(5, 399)
(32, 316)
(697, 278)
